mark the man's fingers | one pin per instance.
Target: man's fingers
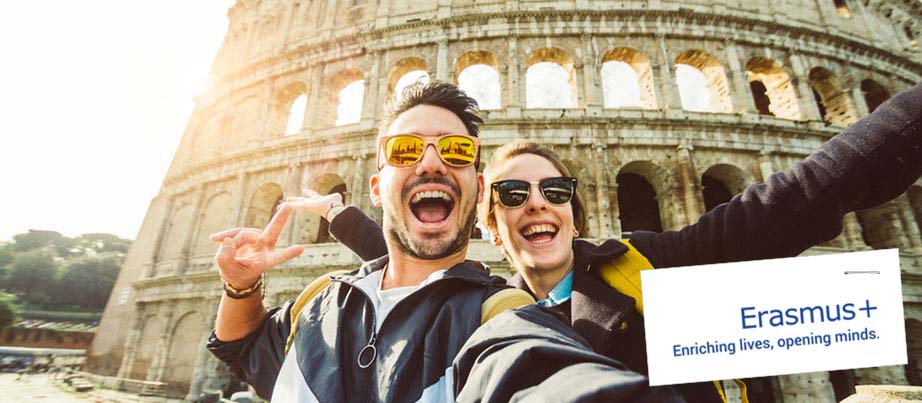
(276, 225)
(247, 236)
(219, 236)
(226, 253)
(277, 257)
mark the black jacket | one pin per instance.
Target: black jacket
(869, 163)
(338, 356)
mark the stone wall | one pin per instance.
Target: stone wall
(782, 77)
(46, 338)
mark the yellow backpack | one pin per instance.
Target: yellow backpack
(623, 274)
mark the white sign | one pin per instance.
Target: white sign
(774, 317)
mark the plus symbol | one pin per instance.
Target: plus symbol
(867, 308)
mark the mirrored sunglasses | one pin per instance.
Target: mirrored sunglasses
(513, 193)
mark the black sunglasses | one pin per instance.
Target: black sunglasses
(514, 193)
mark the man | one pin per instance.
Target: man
(391, 330)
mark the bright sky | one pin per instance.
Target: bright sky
(94, 96)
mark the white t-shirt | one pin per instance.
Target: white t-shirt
(384, 300)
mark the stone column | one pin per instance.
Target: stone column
(514, 89)
(765, 164)
(690, 188)
(312, 116)
(602, 193)
(370, 105)
(853, 85)
(592, 78)
(158, 364)
(806, 101)
(739, 82)
(358, 182)
(164, 228)
(131, 342)
(615, 212)
(443, 71)
(240, 193)
(264, 126)
(852, 231)
(667, 90)
(188, 242)
(909, 225)
(200, 371)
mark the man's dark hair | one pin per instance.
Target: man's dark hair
(443, 95)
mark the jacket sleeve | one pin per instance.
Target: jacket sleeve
(529, 355)
(871, 162)
(257, 358)
(358, 232)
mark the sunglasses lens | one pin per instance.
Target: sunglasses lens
(557, 190)
(512, 193)
(402, 151)
(457, 150)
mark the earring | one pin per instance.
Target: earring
(575, 233)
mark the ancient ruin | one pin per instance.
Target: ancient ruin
(775, 80)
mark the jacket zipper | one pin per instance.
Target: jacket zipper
(370, 347)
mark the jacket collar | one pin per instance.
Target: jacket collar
(597, 310)
(468, 270)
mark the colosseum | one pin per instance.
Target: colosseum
(662, 108)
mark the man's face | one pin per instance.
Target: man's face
(429, 206)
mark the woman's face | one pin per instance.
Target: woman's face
(538, 235)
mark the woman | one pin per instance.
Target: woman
(534, 215)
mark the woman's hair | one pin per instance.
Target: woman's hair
(497, 167)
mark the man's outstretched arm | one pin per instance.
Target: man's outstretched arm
(873, 161)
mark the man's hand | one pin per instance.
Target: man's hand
(246, 253)
(316, 203)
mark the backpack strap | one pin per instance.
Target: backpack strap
(504, 300)
(306, 296)
(623, 273)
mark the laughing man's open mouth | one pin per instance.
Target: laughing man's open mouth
(431, 206)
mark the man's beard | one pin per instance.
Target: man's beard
(425, 250)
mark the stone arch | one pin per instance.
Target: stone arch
(874, 94)
(550, 92)
(717, 84)
(326, 184)
(639, 63)
(834, 103)
(185, 341)
(397, 75)
(284, 118)
(214, 219)
(175, 235)
(639, 206)
(477, 73)
(244, 122)
(721, 182)
(146, 347)
(777, 87)
(262, 205)
(336, 112)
